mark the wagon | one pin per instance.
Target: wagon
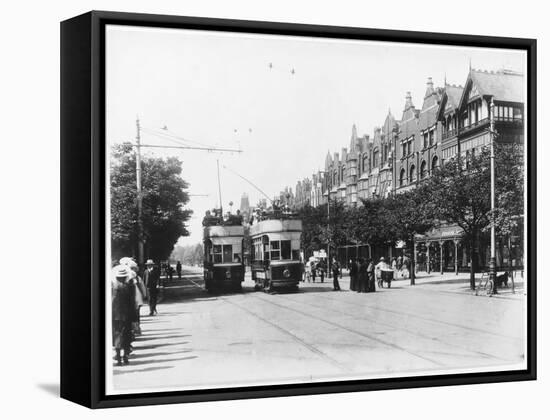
(385, 276)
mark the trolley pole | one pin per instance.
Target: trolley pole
(139, 194)
(492, 260)
(219, 188)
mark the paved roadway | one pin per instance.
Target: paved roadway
(199, 340)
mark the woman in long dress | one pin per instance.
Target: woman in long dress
(123, 313)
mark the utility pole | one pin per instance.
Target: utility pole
(138, 147)
(328, 233)
(492, 260)
(139, 194)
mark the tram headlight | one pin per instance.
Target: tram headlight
(286, 273)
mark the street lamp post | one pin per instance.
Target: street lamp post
(492, 260)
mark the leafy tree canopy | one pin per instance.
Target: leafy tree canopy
(164, 197)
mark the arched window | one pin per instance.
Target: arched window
(402, 178)
(412, 173)
(423, 170)
(375, 154)
(365, 162)
(435, 163)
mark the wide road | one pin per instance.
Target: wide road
(199, 340)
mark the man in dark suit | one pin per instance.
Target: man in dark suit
(151, 277)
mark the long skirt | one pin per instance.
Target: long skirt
(353, 282)
(122, 334)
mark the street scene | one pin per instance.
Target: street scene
(278, 217)
(318, 335)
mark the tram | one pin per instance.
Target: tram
(223, 257)
(275, 250)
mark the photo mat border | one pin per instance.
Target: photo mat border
(83, 207)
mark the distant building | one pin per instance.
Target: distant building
(245, 206)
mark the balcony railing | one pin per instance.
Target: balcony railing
(474, 125)
(449, 133)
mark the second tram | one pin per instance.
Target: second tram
(223, 257)
(276, 254)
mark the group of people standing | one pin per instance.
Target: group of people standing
(319, 268)
(129, 292)
(362, 275)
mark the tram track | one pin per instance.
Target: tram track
(423, 318)
(353, 331)
(294, 337)
(415, 333)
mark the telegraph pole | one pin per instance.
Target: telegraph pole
(328, 232)
(492, 260)
(139, 194)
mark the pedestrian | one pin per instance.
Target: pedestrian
(151, 277)
(353, 271)
(308, 271)
(122, 313)
(399, 262)
(381, 266)
(313, 270)
(371, 283)
(178, 269)
(362, 281)
(322, 268)
(335, 272)
(394, 264)
(140, 293)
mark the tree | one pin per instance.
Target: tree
(461, 193)
(509, 186)
(164, 196)
(406, 215)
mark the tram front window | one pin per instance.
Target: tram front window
(275, 250)
(285, 250)
(280, 250)
(222, 253)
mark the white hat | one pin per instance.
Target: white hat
(150, 262)
(126, 261)
(121, 271)
(382, 259)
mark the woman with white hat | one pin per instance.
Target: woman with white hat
(122, 300)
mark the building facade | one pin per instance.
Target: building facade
(453, 120)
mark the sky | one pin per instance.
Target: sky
(218, 89)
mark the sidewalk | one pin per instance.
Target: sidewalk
(453, 283)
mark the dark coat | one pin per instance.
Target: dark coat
(353, 271)
(371, 278)
(362, 280)
(122, 300)
(152, 278)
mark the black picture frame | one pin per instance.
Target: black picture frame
(83, 207)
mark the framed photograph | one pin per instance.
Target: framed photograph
(257, 209)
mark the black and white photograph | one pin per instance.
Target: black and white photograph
(289, 209)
